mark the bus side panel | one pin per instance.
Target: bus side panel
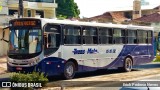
(139, 53)
(90, 57)
(108, 54)
(73, 52)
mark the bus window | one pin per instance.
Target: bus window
(52, 38)
(149, 37)
(90, 35)
(142, 36)
(118, 36)
(72, 35)
(105, 36)
(51, 41)
(132, 37)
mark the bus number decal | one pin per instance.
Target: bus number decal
(111, 51)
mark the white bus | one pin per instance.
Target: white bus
(65, 47)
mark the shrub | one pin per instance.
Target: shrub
(34, 77)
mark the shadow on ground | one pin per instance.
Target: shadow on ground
(89, 74)
(148, 66)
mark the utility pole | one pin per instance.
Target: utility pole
(20, 9)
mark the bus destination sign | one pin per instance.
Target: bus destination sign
(25, 23)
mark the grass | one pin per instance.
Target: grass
(156, 60)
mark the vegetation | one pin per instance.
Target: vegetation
(67, 9)
(156, 60)
(34, 77)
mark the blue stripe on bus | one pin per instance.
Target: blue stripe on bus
(51, 66)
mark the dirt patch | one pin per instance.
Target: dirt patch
(3, 60)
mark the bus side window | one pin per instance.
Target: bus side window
(72, 34)
(132, 37)
(52, 38)
(118, 36)
(142, 36)
(135, 41)
(90, 35)
(149, 37)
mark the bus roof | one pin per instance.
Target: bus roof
(80, 23)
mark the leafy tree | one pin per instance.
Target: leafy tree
(67, 9)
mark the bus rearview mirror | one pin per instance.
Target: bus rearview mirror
(3, 35)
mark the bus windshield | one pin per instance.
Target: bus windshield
(25, 41)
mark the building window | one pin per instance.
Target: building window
(47, 1)
(12, 12)
(136, 12)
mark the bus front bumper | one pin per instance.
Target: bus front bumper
(20, 69)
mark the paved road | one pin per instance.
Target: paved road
(97, 76)
(154, 79)
(3, 65)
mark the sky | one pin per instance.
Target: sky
(90, 8)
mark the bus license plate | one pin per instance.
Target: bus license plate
(18, 68)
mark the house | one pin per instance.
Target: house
(152, 19)
(125, 14)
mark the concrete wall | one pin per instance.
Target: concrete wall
(136, 9)
(156, 26)
(147, 12)
(3, 44)
(48, 8)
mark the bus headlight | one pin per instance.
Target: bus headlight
(35, 61)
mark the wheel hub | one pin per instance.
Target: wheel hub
(69, 70)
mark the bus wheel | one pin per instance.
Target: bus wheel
(69, 70)
(127, 64)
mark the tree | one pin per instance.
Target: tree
(67, 9)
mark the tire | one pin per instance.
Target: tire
(69, 70)
(127, 65)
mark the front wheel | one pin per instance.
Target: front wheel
(69, 70)
(127, 65)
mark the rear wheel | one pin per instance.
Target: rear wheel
(127, 65)
(69, 70)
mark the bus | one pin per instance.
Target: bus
(64, 47)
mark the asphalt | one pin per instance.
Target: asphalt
(105, 75)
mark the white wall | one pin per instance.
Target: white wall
(3, 4)
(3, 44)
(156, 26)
